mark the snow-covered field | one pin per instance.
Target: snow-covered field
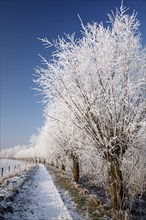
(10, 167)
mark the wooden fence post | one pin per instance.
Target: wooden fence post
(2, 171)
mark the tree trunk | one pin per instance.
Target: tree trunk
(57, 164)
(75, 169)
(63, 167)
(116, 183)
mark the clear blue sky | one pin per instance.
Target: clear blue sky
(22, 22)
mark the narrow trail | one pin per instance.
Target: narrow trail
(39, 199)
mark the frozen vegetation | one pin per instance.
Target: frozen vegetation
(94, 129)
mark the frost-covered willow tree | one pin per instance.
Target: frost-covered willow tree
(100, 78)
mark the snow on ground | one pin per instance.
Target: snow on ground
(13, 167)
(39, 199)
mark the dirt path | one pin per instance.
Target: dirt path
(39, 199)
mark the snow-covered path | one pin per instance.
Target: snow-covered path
(39, 199)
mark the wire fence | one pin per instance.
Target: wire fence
(13, 169)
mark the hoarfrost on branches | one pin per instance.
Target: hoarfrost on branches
(100, 78)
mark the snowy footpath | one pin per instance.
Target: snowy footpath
(39, 199)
